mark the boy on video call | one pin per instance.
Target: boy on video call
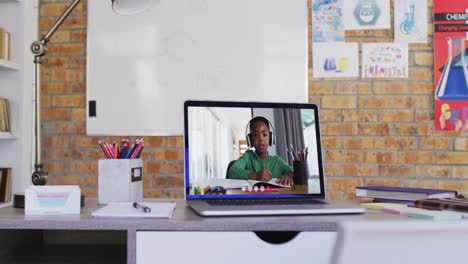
(258, 164)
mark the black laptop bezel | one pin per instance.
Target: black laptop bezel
(234, 104)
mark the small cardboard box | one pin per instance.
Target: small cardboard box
(52, 199)
(120, 180)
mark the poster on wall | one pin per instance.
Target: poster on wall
(335, 60)
(327, 21)
(366, 14)
(450, 65)
(384, 60)
(410, 21)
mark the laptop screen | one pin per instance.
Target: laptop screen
(252, 149)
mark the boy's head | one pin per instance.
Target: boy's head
(260, 135)
(259, 119)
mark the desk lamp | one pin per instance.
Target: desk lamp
(39, 49)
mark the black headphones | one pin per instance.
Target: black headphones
(248, 136)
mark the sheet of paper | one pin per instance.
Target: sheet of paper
(410, 21)
(384, 60)
(126, 210)
(335, 59)
(380, 206)
(367, 14)
(327, 21)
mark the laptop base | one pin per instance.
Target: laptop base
(328, 208)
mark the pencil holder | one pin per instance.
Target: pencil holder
(301, 172)
(120, 180)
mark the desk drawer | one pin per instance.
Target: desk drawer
(231, 247)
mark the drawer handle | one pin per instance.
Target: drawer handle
(276, 237)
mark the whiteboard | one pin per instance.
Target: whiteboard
(141, 68)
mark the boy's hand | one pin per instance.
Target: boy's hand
(285, 180)
(263, 175)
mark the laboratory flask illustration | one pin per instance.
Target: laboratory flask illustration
(407, 25)
(453, 84)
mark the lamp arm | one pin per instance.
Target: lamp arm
(61, 19)
(39, 49)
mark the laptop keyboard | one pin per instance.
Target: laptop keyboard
(240, 202)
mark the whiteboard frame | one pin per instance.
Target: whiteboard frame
(140, 69)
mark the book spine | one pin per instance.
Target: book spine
(2, 44)
(441, 205)
(8, 46)
(2, 115)
(8, 186)
(4, 175)
(7, 115)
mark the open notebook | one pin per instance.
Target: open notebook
(223, 147)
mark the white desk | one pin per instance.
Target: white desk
(50, 238)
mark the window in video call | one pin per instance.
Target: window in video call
(277, 154)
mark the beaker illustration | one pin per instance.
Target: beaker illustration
(453, 82)
(329, 64)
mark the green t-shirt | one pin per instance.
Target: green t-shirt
(250, 162)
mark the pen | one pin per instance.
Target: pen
(132, 149)
(291, 155)
(137, 149)
(139, 152)
(105, 149)
(146, 209)
(116, 150)
(123, 151)
(124, 144)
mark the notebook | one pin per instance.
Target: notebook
(228, 143)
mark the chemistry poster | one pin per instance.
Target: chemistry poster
(335, 60)
(366, 14)
(450, 65)
(327, 21)
(384, 60)
(410, 21)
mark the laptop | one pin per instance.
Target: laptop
(235, 152)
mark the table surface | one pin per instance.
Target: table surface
(183, 219)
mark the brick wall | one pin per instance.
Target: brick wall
(69, 155)
(374, 131)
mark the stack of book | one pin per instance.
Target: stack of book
(402, 194)
(4, 114)
(5, 47)
(5, 185)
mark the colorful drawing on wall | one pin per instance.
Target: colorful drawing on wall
(335, 59)
(327, 21)
(366, 14)
(450, 65)
(384, 60)
(410, 21)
